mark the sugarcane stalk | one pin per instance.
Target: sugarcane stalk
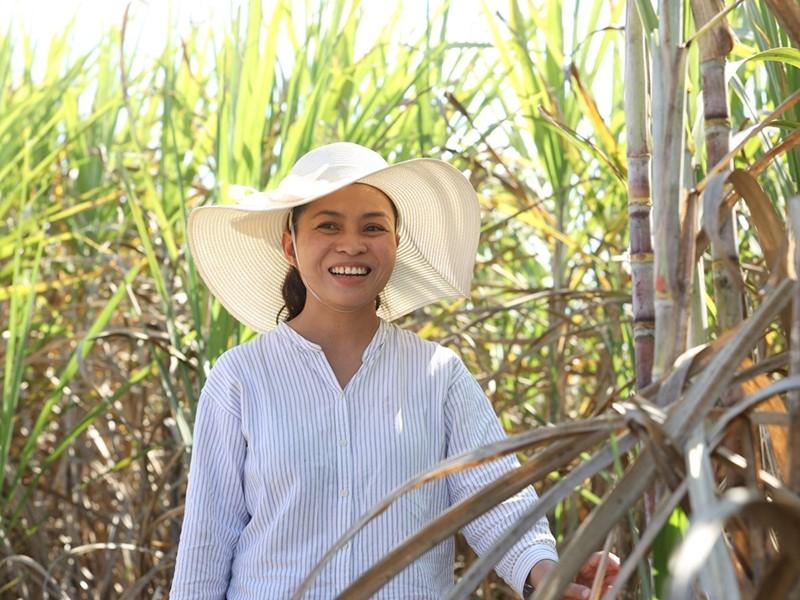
(689, 218)
(715, 43)
(636, 97)
(793, 397)
(698, 320)
(639, 200)
(669, 90)
(695, 277)
(714, 47)
(558, 390)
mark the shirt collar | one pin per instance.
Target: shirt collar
(377, 341)
(372, 349)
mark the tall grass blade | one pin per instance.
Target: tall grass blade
(20, 317)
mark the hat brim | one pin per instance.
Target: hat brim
(238, 250)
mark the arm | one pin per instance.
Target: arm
(215, 511)
(471, 422)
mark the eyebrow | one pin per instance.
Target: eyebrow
(333, 213)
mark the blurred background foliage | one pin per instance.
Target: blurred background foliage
(108, 333)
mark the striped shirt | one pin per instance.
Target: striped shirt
(284, 461)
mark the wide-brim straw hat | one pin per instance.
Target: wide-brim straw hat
(237, 247)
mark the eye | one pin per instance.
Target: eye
(328, 226)
(374, 228)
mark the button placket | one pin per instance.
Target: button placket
(344, 460)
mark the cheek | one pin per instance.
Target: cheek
(390, 258)
(314, 247)
(388, 251)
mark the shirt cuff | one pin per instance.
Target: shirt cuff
(527, 560)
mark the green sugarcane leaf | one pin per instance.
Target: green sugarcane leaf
(647, 14)
(787, 56)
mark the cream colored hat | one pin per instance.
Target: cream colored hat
(237, 248)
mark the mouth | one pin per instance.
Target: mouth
(349, 271)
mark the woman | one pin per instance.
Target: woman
(302, 430)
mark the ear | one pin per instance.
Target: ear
(288, 248)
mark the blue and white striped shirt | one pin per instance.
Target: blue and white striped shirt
(284, 461)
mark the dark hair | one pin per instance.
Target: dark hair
(293, 289)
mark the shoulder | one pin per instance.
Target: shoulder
(438, 359)
(231, 372)
(240, 360)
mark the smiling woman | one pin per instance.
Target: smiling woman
(241, 250)
(302, 430)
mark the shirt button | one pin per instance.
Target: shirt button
(343, 442)
(344, 492)
(341, 395)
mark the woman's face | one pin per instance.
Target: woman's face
(346, 245)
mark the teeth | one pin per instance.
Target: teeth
(349, 270)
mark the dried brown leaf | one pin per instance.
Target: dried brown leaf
(779, 440)
(718, 578)
(725, 160)
(703, 393)
(788, 14)
(552, 456)
(547, 502)
(769, 227)
(657, 520)
(465, 511)
(701, 240)
(708, 525)
(615, 505)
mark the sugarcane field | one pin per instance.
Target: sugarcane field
(489, 299)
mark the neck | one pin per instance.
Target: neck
(328, 328)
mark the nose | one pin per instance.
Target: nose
(351, 243)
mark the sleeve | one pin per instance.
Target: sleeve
(215, 512)
(471, 422)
